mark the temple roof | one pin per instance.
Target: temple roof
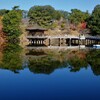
(35, 27)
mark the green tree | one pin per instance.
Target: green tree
(45, 15)
(15, 8)
(11, 24)
(94, 21)
(3, 12)
(42, 15)
(77, 16)
(57, 15)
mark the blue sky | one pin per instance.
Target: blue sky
(66, 5)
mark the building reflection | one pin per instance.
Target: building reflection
(47, 61)
(74, 60)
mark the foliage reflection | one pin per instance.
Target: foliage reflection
(46, 61)
(11, 58)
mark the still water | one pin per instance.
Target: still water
(49, 74)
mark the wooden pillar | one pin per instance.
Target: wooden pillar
(74, 41)
(70, 42)
(33, 41)
(39, 41)
(92, 41)
(80, 41)
(83, 41)
(88, 41)
(36, 41)
(42, 42)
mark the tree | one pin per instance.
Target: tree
(45, 15)
(3, 12)
(42, 15)
(15, 8)
(94, 21)
(77, 16)
(11, 24)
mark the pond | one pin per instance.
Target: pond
(49, 74)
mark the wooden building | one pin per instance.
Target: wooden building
(36, 31)
(36, 35)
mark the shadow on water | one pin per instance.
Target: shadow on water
(46, 61)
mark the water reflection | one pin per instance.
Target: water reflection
(93, 58)
(11, 58)
(77, 60)
(46, 61)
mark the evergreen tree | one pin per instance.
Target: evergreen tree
(94, 21)
(77, 16)
(11, 24)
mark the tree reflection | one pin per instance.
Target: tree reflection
(73, 59)
(93, 58)
(11, 58)
(48, 61)
(76, 64)
(77, 60)
(44, 65)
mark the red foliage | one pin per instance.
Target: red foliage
(83, 25)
